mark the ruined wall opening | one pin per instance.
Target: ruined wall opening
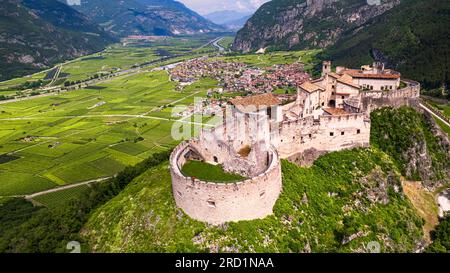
(211, 203)
(193, 155)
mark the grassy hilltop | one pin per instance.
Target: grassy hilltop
(345, 200)
(320, 208)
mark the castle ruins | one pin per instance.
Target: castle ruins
(327, 114)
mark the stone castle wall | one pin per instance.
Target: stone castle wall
(301, 141)
(326, 134)
(216, 203)
(372, 100)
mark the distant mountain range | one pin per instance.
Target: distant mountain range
(35, 34)
(305, 24)
(145, 17)
(232, 20)
(409, 35)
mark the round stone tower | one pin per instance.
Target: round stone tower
(217, 203)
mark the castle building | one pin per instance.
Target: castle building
(328, 114)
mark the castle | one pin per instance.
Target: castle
(327, 114)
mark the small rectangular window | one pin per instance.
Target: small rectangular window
(342, 133)
(331, 134)
(358, 131)
(211, 204)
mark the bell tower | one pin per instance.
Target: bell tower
(326, 67)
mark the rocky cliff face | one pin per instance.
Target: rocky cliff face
(145, 17)
(304, 24)
(35, 34)
(416, 143)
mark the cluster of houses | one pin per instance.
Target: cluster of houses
(239, 77)
(327, 95)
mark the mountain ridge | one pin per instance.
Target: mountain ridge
(145, 17)
(305, 24)
(411, 36)
(36, 34)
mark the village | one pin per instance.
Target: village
(239, 77)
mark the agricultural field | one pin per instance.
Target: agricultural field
(227, 42)
(93, 133)
(444, 108)
(90, 133)
(307, 57)
(114, 58)
(60, 198)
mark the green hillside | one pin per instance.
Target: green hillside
(412, 37)
(36, 34)
(301, 24)
(340, 204)
(319, 209)
(413, 141)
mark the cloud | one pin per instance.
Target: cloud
(208, 6)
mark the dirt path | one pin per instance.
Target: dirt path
(34, 195)
(431, 112)
(56, 76)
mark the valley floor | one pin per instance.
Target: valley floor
(52, 140)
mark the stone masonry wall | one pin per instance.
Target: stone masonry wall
(217, 203)
(326, 134)
(372, 100)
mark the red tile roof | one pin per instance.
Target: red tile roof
(310, 87)
(267, 99)
(358, 74)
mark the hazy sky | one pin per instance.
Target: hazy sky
(208, 6)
